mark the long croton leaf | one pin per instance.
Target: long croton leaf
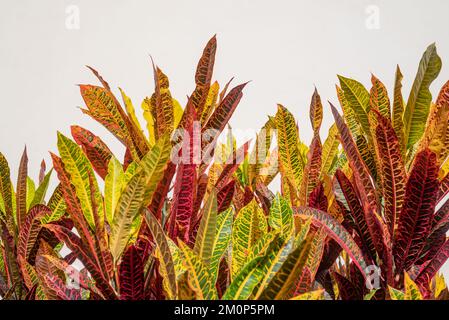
(203, 75)
(205, 236)
(291, 163)
(392, 171)
(358, 99)
(114, 182)
(415, 219)
(166, 260)
(21, 193)
(418, 104)
(79, 169)
(127, 209)
(131, 275)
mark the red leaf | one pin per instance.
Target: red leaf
(318, 199)
(356, 213)
(88, 258)
(95, 149)
(225, 195)
(203, 75)
(185, 184)
(201, 189)
(392, 171)
(346, 289)
(131, 275)
(415, 219)
(231, 165)
(60, 288)
(444, 188)
(431, 269)
(30, 230)
(220, 117)
(361, 173)
(21, 194)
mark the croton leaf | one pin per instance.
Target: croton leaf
(430, 269)
(291, 163)
(392, 171)
(41, 191)
(346, 288)
(203, 75)
(358, 99)
(127, 209)
(248, 227)
(200, 279)
(359, 168)
(167, 267)
(6, 191)
(418, 104)
(329, 150)
(274, 258)
(220, 117)
(415, 219)
(113, 186)
(337, 232)
(30, 230)
(225, 195)
(221, 241)
(356, 211)
(412, 291)
(316, 112)
(94, 148)
(75, 244)
(21, 194)
(282, 284)
(79, 169)
(131, 275)
(281, 215)
(205, 236)
(163, 104)
(379, 97)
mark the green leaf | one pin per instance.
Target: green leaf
(358, 99)
(245, 281)
(281, 285)
(41, 191)
(274, 260)
(114, 182)
(281, 215)
(79, 168)
(411, 289)
(418, 104)
(248, 227)
(395, 294)
(290, 159)
(57, 206)
(200, 279)
(330, 150)
(204, 242)
(136, 194)
(222, 240)
(31, 190)
(128, 208)
(166, 265)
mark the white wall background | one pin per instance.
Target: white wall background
(284, 47)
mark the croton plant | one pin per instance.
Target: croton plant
(185, 215)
